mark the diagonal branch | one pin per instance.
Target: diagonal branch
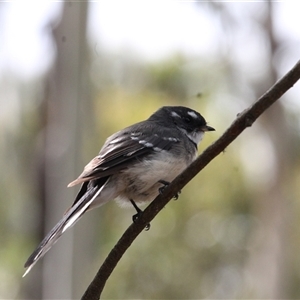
(243, 120)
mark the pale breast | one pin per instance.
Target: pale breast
(140, 182)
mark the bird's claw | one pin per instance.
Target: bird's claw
(165, 184)
(138, 215)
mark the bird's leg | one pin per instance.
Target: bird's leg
(138, 214)
(165, 184)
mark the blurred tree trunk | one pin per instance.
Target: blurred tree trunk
(266, 264)
(65, 109)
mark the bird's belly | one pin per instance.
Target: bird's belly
(140, 181)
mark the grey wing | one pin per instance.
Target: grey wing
(121, 150)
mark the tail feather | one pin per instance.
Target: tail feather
(68, 220)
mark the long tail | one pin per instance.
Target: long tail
(68, 220)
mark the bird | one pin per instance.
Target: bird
(133, 167)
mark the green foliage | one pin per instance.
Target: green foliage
(169, 78)
(197, 246)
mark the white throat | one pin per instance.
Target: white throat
(195, 136)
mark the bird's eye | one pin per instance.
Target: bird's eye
(187, 119)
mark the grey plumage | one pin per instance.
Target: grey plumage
(130, 165)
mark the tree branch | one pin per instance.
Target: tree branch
(243, 120)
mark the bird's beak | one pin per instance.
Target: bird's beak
(207, 128)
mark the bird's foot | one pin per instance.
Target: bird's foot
(138, 214)
(165, 184)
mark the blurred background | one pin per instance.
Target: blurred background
(72, 73)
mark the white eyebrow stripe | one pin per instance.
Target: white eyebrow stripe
(193, 114)
(174, 114)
